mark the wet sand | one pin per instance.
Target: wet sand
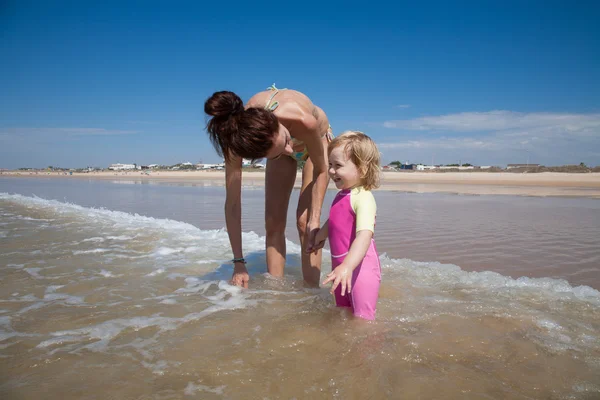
(474, 183)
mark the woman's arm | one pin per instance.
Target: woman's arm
(317, 152)
(233, 218)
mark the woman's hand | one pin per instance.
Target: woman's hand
(341, 274)
(317, 238)
(317, 241)
(240, 275)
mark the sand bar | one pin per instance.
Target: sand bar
(472, 183)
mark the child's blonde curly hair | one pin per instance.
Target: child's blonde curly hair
(363, 152)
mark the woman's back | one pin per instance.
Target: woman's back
(293, 106)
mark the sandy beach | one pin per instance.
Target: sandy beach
(497, 183)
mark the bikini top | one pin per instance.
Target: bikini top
(272, 106)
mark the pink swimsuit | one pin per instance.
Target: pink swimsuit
(366, 277)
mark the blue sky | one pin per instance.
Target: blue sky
(490, 83)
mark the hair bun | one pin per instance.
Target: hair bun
(223, 104)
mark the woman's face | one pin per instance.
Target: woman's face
(282, 144)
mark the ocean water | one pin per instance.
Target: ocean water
(119, 290)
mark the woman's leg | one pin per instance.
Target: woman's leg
(279, 182)
(311, 263)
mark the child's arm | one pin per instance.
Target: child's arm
(319, 238)
(343, 272)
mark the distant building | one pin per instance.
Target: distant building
(421, 167)
(247, 163)
(210, 166)
(511, 166)
(461, 168)
(121, 167)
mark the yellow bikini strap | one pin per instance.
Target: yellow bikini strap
(275, 104)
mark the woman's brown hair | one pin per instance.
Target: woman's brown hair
(235, 131)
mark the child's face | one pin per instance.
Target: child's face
(342, 170)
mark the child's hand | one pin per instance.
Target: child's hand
(318, 241)
(341, 274)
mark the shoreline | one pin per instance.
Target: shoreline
(543, 184)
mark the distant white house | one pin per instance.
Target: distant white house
(461, 168)
(249, 164)
(187, 163)
(121, 167)
(152, 166)
(421, 167)
(210, 166)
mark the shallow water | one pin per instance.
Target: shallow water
(100, 302)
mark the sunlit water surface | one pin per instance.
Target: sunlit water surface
(118, 290)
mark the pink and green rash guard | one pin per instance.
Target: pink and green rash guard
(352, 211)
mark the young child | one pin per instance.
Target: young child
(356, 273)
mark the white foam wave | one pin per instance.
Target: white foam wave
(435, 274)
(121, 221)
(120, 237)
(24, 218)
(165, 251)
(174, 240)
(108, 274)
(157, 272)
(93, 251)
(67, 298)
(227, 298)
(50, 297)
(93, 239)
(192, 388)
(34, 272)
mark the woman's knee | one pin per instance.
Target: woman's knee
(274, 225)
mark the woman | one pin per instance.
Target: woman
(285, 127)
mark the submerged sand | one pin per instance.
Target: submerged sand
(121, 289)
(505, 183)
